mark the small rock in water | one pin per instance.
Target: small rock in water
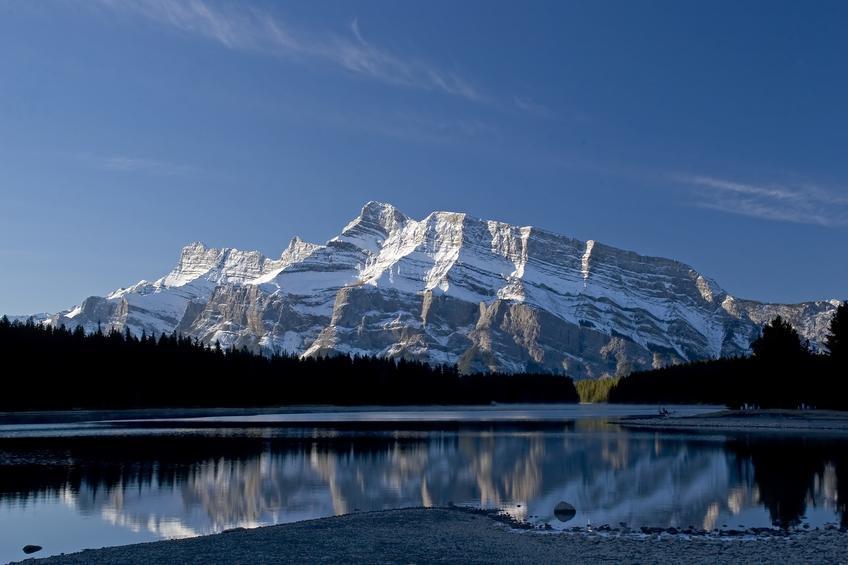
(564, 511)
(32, 549)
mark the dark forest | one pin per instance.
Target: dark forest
(783, 372)
(56, 368)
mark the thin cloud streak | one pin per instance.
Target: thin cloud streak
(254, 30)
(802, 204)
(531, 107)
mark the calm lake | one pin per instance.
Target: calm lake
(81, 485)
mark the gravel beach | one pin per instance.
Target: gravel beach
(449, 535)
(783, 421)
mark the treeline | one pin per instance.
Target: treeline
(782, 373)
(56, 368)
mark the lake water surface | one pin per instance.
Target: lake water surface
(68, 487)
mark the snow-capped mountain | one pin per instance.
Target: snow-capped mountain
(450, 288)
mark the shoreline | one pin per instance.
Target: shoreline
(781, 421)
(708, 420)
(86, 415)
(766, 421)
(456, 535)
(307, 414)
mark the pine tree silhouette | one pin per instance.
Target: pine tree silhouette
(778, 342)
(837, 337)
(118, 370)
(781, 373)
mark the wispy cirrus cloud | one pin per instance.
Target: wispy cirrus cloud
(532, 107)
(797, 203)
(250, 29)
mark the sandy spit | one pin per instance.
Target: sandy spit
(807, 421)
(448, 535)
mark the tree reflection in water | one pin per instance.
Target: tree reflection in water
(193, 484)
(792, 473)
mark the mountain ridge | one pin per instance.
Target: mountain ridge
(450, 288)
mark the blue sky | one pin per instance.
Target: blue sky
(710, 132)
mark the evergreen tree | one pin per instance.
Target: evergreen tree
(778, 342)
(837, 338)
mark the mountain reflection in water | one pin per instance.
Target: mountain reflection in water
(182, 485)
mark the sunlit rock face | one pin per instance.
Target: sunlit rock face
(450, 289)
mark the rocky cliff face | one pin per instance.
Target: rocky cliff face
(450, 289)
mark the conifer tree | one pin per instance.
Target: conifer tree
(837, 338)
(778, 342)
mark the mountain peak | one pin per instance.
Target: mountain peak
(381, 214)
(377, 207)
(373, 225)
(450, 289)
(297, 250)
(195, 260)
